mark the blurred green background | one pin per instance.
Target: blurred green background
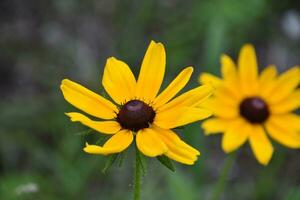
(42, 42)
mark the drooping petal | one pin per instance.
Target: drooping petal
(235, 136)
(177, 149)
(206, 78)
(88, 101)
(283, 133)
(108, 127)
(175, 86)
(285, 85)
(149, 143)
(189, 99)
(290, 103)
(118, 81)
(248, 69)
(117, 143)
(229, 70)
(261, 145)
(152, 72)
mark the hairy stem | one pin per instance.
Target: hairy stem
(137, 177)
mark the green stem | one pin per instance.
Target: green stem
(137, 177)
(221, 184)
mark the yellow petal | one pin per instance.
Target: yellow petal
(191, 98)
(118, 81)
(229, 95)
(191, 115)
(248, 69)
(261, 145)
(108, 127)
(230, 87)
(206, 78)
(117, 143)
(269, 73)
(219, 109)
(267, 81)
(289, 120)
(290, 103)
(152, 72)
(283, 133)
(235, 136)
(88, 101)
(180, 116)
(216, 125)
(177, 84)
(178, 150)
(149, 143)
(285, 85)
(168, 118)
(228, 68)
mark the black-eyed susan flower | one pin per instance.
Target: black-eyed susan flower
(139, 112)
(252, 107)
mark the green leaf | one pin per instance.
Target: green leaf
(166, 162)
(109, 162)
(142, 160)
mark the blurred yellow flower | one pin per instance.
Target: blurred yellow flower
(246, 106)
(140, 112)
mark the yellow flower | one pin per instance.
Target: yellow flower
(247, 106)
(140, 112)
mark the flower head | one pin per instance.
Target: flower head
(139, 112)
(250, 107)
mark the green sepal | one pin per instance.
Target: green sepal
(109, 162)
(166, 162)
(84, 133)
(121, 158)
(179, 128)
(142, 160)
(101, 139)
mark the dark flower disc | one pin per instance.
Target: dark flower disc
(255, 110)
(135, 115)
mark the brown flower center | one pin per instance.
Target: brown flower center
(255, 110)
(135, 115)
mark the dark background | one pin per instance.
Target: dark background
(42, 42)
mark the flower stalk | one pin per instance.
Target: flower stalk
(137, 176)
(221, 184)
